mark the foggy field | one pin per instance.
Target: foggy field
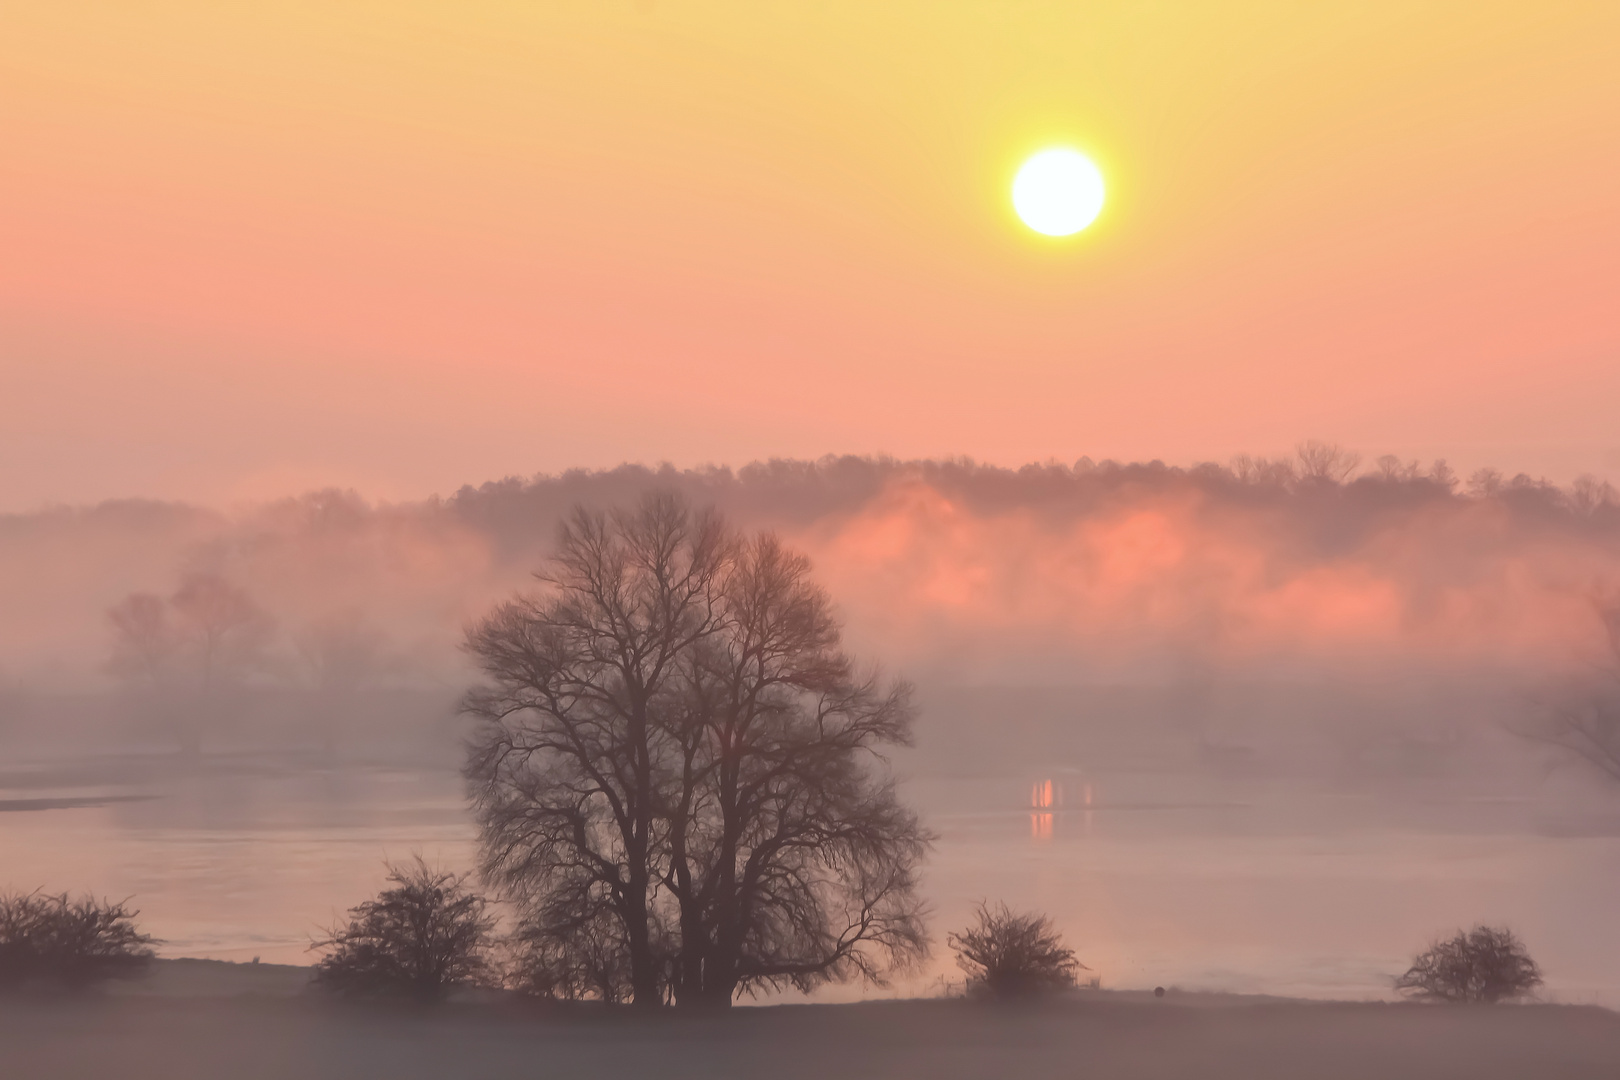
(1115, 1035)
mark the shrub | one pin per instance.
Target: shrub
(1010, 955)
(72, 944)
(1486, 964)
(420, 939)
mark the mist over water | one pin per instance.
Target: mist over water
(1233, 728)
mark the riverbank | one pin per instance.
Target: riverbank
(199, 1019)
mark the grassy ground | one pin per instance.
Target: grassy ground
(253, 1024)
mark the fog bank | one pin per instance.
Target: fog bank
(1397, 579)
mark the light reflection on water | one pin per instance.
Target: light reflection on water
(1155, 879)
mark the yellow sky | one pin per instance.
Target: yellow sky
(252, 248)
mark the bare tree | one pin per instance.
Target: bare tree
(422, 938)
(672, 745)
(1588, 494)
(1264, 471)
(571, 765)
(1325, 462)
(1484, 965)
(1392, 469)
(221, 626)
(340, 655)
(1486, 482)
(73, 944)
(1007, 954)
(792, 859)
(181, 654)
(144, 649)
(1583, 718)
(1244, 467)
(13, 702)
(1589, 728)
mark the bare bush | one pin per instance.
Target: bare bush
(424, 937)
(1008, 954)
(72, 944)
(1485, 965)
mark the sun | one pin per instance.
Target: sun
(1058, 192)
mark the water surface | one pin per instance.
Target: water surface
(1281, 886)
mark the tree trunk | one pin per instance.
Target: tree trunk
(643, 968)
(643, 971)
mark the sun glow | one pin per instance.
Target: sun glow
(1058, 192)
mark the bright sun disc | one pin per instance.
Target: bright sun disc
(1058, 192)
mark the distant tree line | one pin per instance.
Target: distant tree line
(193, 655)
(807, 490)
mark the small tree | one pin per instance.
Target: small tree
(1006, 954)
(1487, 964)
(419, 939)
(72, 944)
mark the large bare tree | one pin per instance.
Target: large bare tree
(571, 764)
(673, 746)
(791, 857)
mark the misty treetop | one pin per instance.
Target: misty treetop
(678, 771)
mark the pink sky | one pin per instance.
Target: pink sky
(401, 247)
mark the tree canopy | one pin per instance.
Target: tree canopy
(678, 771)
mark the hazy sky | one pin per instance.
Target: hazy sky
(255, 248)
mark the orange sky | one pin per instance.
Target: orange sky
(250, 249)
